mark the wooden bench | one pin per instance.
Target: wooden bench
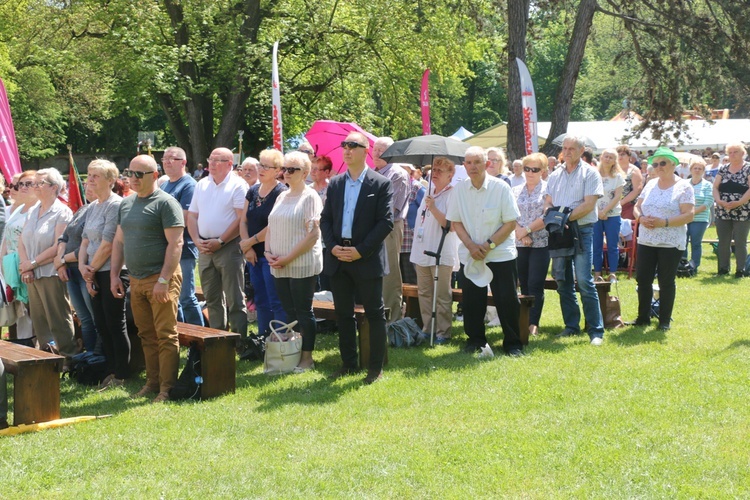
(411, 296)
(36, 384)
(602, 290)
(326, 310)
(218, 363)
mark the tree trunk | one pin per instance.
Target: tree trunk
(566, 87)
(518, 18)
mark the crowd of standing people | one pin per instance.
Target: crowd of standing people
(297, 228)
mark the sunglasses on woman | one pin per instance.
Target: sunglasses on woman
(27, 184)
(662, 163)
(532, 169)
(290, 170)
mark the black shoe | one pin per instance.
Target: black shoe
(372, 377)
(740, 274)
(471, 348)
(343, 372)
(3, 423)
(515, 353)
(638, 322)
(664, 327)
(722, 272)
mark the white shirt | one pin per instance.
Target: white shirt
(459, 175)
(482, 211)
(215, 204)
(427, 234)
(517, 180)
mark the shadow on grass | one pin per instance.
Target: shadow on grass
(737, 344)
(636, 335)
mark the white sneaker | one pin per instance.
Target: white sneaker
(460, 317)
(486, 352)
(597, 341)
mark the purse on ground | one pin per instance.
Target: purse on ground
(283, 348)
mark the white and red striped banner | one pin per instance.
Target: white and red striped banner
(278, 139)
(528, 105)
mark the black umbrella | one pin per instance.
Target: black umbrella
(558, 141)
(423, 149)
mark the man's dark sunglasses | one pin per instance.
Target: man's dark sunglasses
(352, 145)
(136, 174)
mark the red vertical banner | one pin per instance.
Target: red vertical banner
(276, 101)
(424, 100)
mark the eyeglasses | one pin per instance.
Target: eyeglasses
(41, 183)
(217, 160)
(165, 159)
(532, 169)
(266, 167)
(662, 163)
(137, 174)
(307, 152)
(26, 184)
(290, 170)
(351, 145)
(494, 160)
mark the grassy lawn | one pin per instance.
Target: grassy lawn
(648, 414)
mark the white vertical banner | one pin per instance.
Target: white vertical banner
(278, 139)
(528, 106)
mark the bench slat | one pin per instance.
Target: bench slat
(15, 355)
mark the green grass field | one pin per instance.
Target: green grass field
(648, 414)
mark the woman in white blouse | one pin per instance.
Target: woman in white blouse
(427, 233)
(609, 209)
(664, 209)
(294, 250)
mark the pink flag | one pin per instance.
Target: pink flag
(10, 163)
(424, 98)
(276, 102)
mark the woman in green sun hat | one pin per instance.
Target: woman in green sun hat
(664, 208)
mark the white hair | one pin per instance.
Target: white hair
(477, 151)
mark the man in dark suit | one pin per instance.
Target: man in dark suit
(355, 221)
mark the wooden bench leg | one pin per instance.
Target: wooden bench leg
(413, 310)
(523, 323)
(363, 326)
(36, 394)
(218, 368)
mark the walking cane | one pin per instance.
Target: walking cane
(436, 254)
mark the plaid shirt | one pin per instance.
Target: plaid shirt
(408, 231)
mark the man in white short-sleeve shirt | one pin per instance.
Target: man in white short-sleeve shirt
(213, 222)
(484, 212)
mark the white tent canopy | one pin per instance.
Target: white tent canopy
(698, 134)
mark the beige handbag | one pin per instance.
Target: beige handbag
(283, 348)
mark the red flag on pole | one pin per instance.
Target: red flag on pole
(10, 163)
(75, 187)
(276, 101)
(424, 99)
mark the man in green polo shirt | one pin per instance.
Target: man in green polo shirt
(149, 242)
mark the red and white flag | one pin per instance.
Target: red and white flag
(528, 105)
(276, 102)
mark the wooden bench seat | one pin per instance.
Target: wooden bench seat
(36, 384)
(326, 310)
(411, 296)
(218, 363)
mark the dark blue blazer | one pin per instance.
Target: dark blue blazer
(373, 221)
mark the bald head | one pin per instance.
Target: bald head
(220, 164)
(143, 166)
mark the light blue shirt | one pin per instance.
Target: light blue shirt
(351, 194)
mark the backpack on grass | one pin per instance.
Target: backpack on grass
(189, 383)
(404, 333)
(88, 368)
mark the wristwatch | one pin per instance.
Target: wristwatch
(492, 244)
(221, 242)
(162, 281)
(33, 264)
(528, 230)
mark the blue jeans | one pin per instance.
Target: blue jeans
(580, 264)
(610, 227)
(189, 311)
(695, 231)
(81, 301)
(267, 302)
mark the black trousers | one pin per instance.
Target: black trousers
(296, 295)
(503, 286)
(649, 260)
(109, 317)
(533, 265)
(345, 284)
